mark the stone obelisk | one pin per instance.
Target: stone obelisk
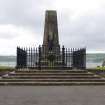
(50, 48)
(51, 39)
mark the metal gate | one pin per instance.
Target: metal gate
(21, 58)
(41, 58)
(79, 59)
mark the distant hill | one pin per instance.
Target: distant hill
(7, 58)
(95, 57)
(90, 57)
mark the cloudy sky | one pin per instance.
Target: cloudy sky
(81, 23)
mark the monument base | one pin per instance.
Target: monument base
(51, 57)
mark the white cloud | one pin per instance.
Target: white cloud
(12, 36)
(81, 23)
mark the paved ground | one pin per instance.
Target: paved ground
(52, 95)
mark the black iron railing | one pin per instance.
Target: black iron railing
(43, 58)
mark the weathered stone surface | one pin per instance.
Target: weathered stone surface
(51, 29)
(51, 45)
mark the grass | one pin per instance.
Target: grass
(98, 70)
(6, 68)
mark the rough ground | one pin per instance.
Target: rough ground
(52, 95)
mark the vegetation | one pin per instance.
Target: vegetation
(100, 68)
(6, 68)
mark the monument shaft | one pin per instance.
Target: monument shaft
(51, 39)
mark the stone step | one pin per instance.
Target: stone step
(54, 71)
(52, 80)
(53, 76)
(51, 83)
(60, 73)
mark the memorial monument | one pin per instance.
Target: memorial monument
(50, 54)
(50, 47)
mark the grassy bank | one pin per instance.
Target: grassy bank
(6, 68)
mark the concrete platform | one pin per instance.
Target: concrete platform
(52, 95)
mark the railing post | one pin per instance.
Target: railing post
(39, 63)
(63, 56)
(17, 59)
(31, 58)
(24, 58)
(84, 58)
(71, 57)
